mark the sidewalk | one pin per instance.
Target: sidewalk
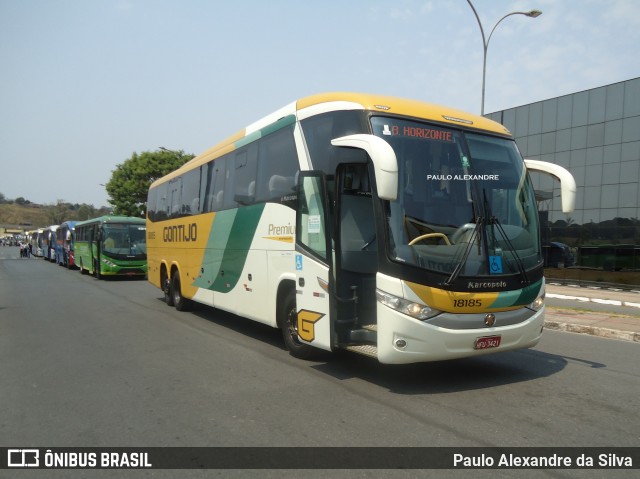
(596, 323)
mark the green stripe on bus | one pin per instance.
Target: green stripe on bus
(267, 130)
(216, 246)
(281, 123)
(519, 297)
(231, 235)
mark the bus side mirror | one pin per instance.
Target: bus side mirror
(567, 182)
(384, 160)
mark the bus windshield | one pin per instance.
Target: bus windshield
(465, 202)
(124, 241)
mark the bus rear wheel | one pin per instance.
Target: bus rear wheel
(288, 321)
(166, 289)
(180, 302)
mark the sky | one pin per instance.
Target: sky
(86, 83)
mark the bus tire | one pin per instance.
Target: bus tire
(166, 289)
(288, 320)
(180, 302)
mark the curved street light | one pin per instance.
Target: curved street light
(168, 150)
(485, 41)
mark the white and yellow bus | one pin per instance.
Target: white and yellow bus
(398, 229)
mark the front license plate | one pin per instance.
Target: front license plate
(487, 342)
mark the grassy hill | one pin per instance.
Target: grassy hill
(33, 216)
(13, 214)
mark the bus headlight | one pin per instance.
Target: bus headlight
(415, 310)
(538, 303)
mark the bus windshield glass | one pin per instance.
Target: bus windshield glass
(124, 241)
(463, 199)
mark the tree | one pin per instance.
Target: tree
(58, 213)
(84, 212)
(129, 183)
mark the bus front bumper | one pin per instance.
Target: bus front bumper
(403, 339)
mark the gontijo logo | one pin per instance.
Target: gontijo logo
(180, 233)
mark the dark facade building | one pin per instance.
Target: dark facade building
(595, 134)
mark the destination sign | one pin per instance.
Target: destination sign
(418, 132)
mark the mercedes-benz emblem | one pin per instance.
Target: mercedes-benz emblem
(490, 319)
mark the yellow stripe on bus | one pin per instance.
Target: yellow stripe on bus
(284, 239)
(457, 302)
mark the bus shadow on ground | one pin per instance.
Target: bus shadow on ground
(450, 376)
(120, 278)
(421, 378)
(247, 327)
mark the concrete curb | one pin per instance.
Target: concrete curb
(592, 330)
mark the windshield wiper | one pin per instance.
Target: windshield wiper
(521, 268)
(495, 221)
(465, 256)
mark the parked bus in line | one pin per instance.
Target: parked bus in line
(397, 229)
(49, 243)
(65, 236)
(36, 241)
(111, 246)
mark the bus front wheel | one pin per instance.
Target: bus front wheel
(180, 302)
(289, 325)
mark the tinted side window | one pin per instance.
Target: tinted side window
(152, 199)
(191, 193)
(214, 193)
(162, 202)
(204, 182)
(175, 198)
(244, 180)
(321, 129)
(277, 165)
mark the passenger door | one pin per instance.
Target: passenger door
(313, 261)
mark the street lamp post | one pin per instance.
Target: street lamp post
(169, 151)
(485, 41)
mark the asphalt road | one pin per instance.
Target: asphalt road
(106, 363)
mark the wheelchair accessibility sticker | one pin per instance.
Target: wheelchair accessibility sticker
(495, 264)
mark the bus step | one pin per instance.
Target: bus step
(364, 349)
(370, 327)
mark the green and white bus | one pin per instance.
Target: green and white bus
(111, 246)
(393, 228)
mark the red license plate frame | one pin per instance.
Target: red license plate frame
(487, 342)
